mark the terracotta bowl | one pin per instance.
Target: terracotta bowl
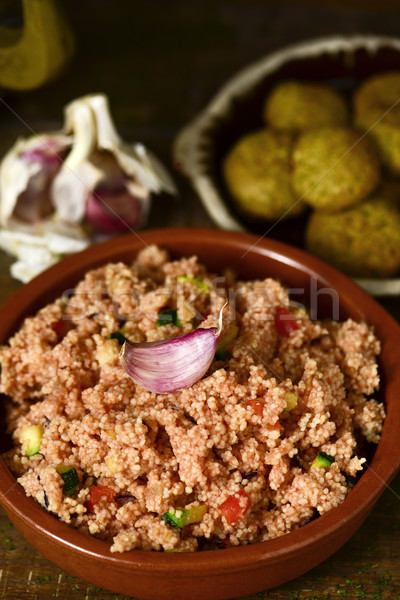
(238, 571)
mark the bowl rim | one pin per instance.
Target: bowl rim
(373, 482)
(191, 143)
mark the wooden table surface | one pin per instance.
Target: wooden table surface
(160, 62)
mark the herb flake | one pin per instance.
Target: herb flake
(169, 317)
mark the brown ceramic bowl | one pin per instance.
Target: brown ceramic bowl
(237, 571)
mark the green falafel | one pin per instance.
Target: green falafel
(294, 106)
(377, 110)
(257, 171)
(363, 241)
(334, 168)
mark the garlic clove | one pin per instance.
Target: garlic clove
(172, 365)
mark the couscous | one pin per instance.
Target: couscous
(265, 442)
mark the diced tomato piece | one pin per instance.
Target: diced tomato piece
(275, 426)
(285, 322)
(256, 405)
(235, 507)
(60, 328)
(97, 492)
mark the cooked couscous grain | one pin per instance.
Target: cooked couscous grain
(228, 458)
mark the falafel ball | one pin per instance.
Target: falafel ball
(377, 110)
(334, 168)
(363, 241)
(257, 171)
(294, 106)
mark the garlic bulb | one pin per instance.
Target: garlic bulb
(53, 185)
(100, 160)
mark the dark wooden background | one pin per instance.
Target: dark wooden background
(160, 61)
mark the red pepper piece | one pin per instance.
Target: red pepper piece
(275, 426)
(60, 327)
(235, 507)
(97, 492)
(285, 322)
(256, 405)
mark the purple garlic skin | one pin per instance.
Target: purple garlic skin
(35, 202)
(110, 207)
(112, 212)
(46, 153)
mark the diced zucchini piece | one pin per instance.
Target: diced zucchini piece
(119, 336)
(291, 401)
(179, 517)
(199, 283)
(169, 317)
(107, 353)
(70, 477)
(225, 340)
(322, 460)
(31, 439)
(194, 514)
(113, 465)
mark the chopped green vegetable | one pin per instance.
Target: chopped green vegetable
(199, 283)
(179, 517)
(291, 401)
(169, 317)
(70, 477)
(322, 460)
(31, 439)
(119, 336)
(225, 340)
